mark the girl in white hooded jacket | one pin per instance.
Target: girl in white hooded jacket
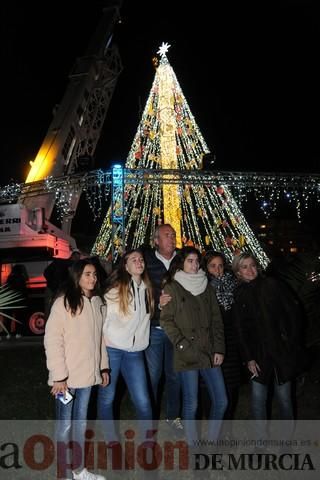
(126, 333)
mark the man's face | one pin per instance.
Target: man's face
(166, 241)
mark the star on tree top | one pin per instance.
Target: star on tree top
(163, 49)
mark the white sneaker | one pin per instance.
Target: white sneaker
(176, 427)
(175, 424)
(85, 475)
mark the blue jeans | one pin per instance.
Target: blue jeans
(71, 425)
(214, 381)
(132, 368)
(259, 397)
(159, 355)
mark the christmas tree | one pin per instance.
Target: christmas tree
(203, 215)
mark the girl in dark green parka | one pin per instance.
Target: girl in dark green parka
(192, 321)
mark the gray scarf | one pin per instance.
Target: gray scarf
(195, 283)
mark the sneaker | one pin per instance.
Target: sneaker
(18, 335)
(85, 475)
(8, 336)
(176, 425)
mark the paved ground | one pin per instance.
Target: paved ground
(24, 393)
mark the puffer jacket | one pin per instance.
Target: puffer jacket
(74, 345)
(194, 325)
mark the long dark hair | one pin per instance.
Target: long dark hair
(121, 279)
(210, 254)
(73, 297)
(177, 262)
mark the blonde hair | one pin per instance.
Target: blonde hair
(238, 259)
(122, 281)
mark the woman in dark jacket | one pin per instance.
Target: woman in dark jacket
(224, 283)
(192, 321)
(267, 318)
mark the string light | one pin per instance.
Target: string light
(143, 206)
(164, 181)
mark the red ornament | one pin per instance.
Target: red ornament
(220, 190)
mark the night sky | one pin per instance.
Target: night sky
(249, 71)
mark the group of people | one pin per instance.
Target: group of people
(177, 313)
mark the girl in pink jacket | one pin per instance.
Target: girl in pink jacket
(76, 360)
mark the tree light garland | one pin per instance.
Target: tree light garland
(163, 182)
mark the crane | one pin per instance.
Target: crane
(28, 232)
(72, 137)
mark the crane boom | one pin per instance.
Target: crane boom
(74, 132)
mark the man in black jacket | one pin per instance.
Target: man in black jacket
(159, 354)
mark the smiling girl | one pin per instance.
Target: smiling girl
(268, 321)
(192, 320)
(127, 333)
(76, 358)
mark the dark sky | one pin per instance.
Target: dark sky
(249, 71)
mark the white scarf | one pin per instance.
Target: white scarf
(195, 283)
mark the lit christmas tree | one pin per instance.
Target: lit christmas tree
(203, 215)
